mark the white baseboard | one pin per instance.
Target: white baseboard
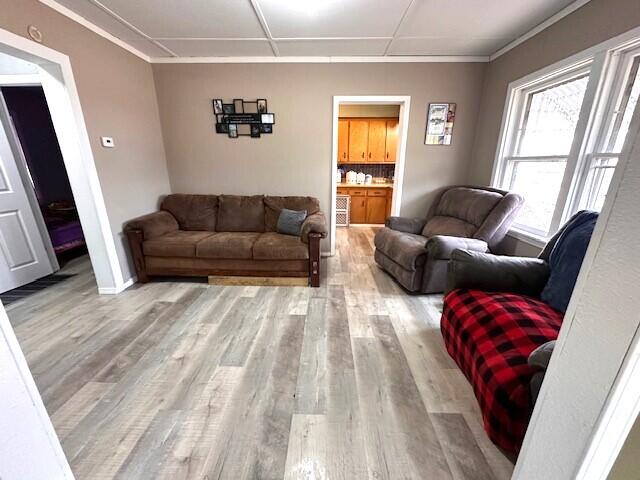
(119, 288)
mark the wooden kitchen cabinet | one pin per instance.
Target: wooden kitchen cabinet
(376, 209)
(343, 140)
(358, 209)
(389, 201)
(391, 146)
(367, 140)
(377, 141)
(358, 140)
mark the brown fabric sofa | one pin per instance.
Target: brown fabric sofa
(201, 235)
(416, 251)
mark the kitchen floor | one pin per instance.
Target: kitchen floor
(186, 380)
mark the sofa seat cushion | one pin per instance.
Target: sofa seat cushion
(236, 245)
(276, 246)
(406, 249)
(179, 243)
(490, 336)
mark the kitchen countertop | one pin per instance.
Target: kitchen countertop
(365, 185)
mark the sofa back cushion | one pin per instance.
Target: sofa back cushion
(193, 212)
(460, 212)
(273, 206)
(240, 213)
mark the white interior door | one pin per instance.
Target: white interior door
(23, 255)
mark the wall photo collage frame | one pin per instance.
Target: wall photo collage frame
(242, 118)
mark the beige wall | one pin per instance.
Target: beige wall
(118, 99)
(296, 158)
(591, 24)
(371, 111)
(627, 465)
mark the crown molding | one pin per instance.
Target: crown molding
(61, 9)
(366, 59)
(569, 9)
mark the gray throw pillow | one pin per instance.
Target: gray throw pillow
(290, 221)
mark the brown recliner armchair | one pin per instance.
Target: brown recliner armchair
(415, 251)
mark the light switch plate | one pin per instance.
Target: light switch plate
(107, 142)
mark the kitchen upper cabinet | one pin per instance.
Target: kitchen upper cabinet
(343, 140)
(358, 140)
(377, 140)
(391, 147)
(367, 140)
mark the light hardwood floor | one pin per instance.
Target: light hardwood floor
(182, 380)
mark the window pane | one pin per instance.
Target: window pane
(625, 110)
(550, 119)
(539, 183)
(600, 174)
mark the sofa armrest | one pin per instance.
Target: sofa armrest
(539, 360)
(406, 225)
(153, 224)
(315, 223)
(442, 246)
(540, 357)
(495, 273)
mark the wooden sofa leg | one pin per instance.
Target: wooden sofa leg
(136, 238)
(314, 259)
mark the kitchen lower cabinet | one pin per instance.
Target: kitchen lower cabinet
(358, 209)
(368, 205)
(376, 209)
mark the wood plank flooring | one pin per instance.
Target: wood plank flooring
(183, 380)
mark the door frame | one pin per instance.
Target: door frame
(404, 101)
(57, 80)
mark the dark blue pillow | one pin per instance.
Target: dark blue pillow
(290, 221)
(566, 258)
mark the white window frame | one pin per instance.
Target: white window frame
(604, 62)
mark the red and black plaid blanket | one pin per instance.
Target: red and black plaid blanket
(490, 337)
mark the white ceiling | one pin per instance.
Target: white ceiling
(270, 28)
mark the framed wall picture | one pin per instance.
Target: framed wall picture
(269, 118)
(440, 119)
(217, 106)
(238, 105)
(243, 118)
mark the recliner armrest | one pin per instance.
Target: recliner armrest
(442, 246)
(406, 225)
(316, 223)
(496, 273)
(539, 359)
(153, 225)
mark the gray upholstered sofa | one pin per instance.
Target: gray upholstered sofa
(415, 251)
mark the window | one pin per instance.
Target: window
(563, 134)
(602, 163)
(541, 144)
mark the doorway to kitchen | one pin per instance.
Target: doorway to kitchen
(368, 156)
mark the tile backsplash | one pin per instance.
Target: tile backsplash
(375, 170)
